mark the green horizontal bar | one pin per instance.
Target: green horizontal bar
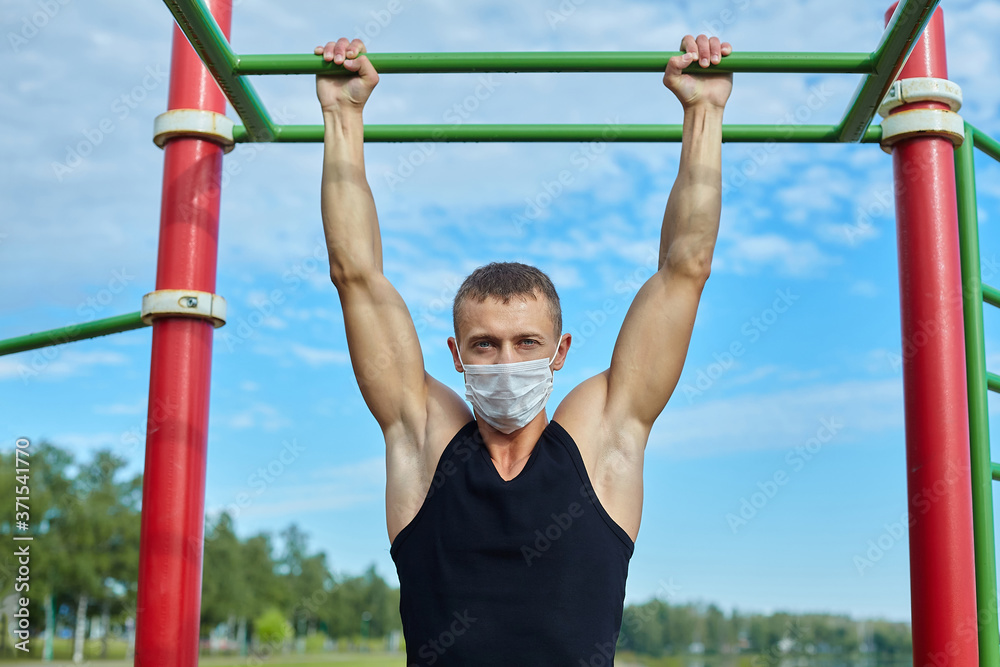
(986, 144)
(991, 295)
(571, 61)
(995, 467)
(993, 382)
(109, 325)
(564, 133)
(213, 48)
(888, 57)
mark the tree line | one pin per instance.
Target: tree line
(267, 591)
(657, 628)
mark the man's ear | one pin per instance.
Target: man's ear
(453, 346)
(564, 343)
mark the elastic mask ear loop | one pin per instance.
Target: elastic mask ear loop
(557, 350)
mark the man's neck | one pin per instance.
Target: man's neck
(510, 452)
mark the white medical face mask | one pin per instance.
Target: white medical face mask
(508, 396)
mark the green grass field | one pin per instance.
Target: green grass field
(63, 655)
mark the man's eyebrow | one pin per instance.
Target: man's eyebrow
(526, 334)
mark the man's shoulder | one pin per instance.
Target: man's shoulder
(585, 402)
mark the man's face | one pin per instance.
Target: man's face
(493, 332)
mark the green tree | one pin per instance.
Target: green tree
(715, 629)
(306, 579)
(273, 628)
(224, 590)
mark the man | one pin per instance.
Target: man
(512, 534)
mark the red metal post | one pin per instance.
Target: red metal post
(173, 494)
(942, 571)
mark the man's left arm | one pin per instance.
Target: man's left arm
(652, 345)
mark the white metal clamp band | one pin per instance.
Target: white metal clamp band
(921, 89)
(194, 123)
(186, 303)
(915, 122)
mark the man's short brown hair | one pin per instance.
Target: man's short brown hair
(504, 280)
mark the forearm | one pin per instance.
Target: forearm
(350, 222)
(691, 220)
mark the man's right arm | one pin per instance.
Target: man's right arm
(382, 340)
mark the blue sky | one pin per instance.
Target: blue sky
(806, 230)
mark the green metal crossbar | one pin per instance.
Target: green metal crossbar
(983, 470)
(986, 144)
(618, 133)
(74, 332)
(991, 295)
(563, 61)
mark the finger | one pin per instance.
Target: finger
(339, 51)
(716, 49)
(726, 48)
(689, 45)
(356, 48)
(676, 64)
(362, 67)
(328, 51)
(704, 51)
(367, 70)
(318, 51)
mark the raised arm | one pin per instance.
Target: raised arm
(381, 337)
(653, 342)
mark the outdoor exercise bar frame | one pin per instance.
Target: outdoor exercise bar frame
(173, 492)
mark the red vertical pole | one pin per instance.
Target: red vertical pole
(173, 493)
(942, 571)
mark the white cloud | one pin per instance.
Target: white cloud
(750, 377)
(749, 253)
(369, 472)
(865, 288)
(121, 408)
(55, 363)
(82, 442)
(316, 357)
(257, 415)
(331, 488)
(779, 420)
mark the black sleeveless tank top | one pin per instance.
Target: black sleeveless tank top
(520, 573)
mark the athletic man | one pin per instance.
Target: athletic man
(511, 533)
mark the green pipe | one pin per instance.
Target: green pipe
(993, 382)
(888, 58)
(564, 133)
(541, 61)
(109, 325)
(991, 295)
(985, 143)
(979, 426)
(208, 40)
(995, 467)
